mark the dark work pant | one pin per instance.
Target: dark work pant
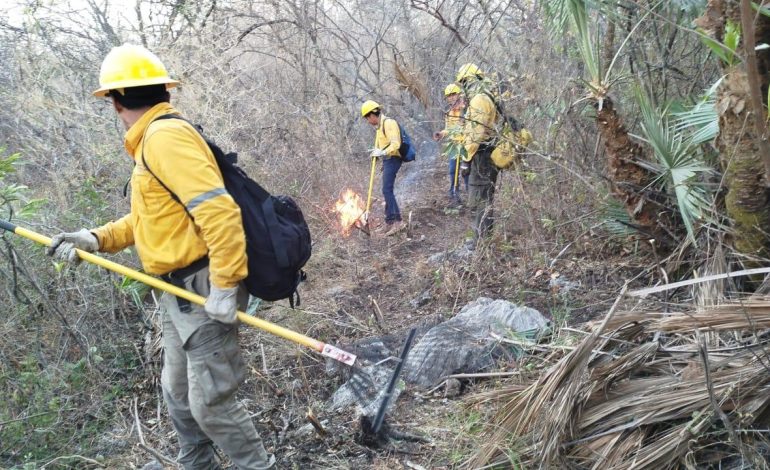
(390, 167)
(482, 192)
(460, 179)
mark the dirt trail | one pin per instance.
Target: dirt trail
(364, 286)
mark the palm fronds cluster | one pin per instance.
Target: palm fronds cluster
(646, 390)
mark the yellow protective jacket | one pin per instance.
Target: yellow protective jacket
(479, 127)
(453, 125)
(388, 137)
(166, 238)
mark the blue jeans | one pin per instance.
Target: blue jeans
(390, 167)
(452, 190)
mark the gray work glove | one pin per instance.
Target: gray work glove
(63, 245)
(378, 153)
(222, 304)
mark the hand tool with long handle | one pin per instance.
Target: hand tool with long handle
(380, 416)
(369, 195)
(277, 330)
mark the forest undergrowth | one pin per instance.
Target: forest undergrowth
(645, 170)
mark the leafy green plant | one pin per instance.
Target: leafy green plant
(763, 10)
(135, 289)
(616, 219)
(700, 120)
(12, 195)
(575, 16)
(725, 51)
(680, 165)
(89, 200)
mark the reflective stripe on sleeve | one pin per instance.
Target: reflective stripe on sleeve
(198, 200)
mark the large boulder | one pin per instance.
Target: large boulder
(464, 344)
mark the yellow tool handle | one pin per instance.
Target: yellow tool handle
(371, 184)
(458, 159)
(277, 330)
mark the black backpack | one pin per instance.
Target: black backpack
(277, 236)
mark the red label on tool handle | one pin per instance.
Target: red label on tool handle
(338, 354)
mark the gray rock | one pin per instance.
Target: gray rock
(464, 344)
(308, 429)
(335, 291)
(452, 388)
(563, 285)
(154, 465)
(438, 258)
(456, 255)
(422, 300)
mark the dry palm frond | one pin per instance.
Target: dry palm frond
(411, 81)
(640, 405)
(749, 316)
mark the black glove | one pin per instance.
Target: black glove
(465, 168)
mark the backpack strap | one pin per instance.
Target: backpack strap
(268, 202)
(144, 162)
(501, 112)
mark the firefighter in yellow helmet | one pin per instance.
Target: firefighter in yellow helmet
(478, 139)
(387, 147)
(452, 131)
(195, 241)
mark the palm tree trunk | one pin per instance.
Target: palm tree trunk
(748, 200)
(741, 140)
(628, 180)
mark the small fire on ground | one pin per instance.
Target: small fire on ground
(350, 208)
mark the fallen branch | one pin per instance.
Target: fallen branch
(713, 277)
(377, 312)
(310, 416)
(158, 456)
(67, 457)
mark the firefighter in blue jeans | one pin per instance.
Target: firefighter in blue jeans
(453, 133)
(387, 143)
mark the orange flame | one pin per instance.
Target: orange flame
(350, 209)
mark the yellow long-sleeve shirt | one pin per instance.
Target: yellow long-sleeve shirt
(479, 126)
(388, 137)
(166, 238)
(453, 123)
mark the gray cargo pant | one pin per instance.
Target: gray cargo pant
(202, 370)
(481, 192)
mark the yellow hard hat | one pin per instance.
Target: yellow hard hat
(468, 70)
(368, 107)
(129, 66)
(452, 89)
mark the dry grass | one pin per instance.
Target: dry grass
(658, 398)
